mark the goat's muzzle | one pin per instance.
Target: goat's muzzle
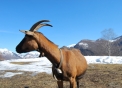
(18, 50)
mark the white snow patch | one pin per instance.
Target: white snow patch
(4, 50)
(72, 45)
(10, 74)
(112, 40)
(104, 59)
(38, 65)
(84, 45)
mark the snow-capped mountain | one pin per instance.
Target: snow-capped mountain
(7, 54)
(31, 55)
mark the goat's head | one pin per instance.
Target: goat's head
(29, 43)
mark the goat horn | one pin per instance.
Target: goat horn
(35, 26)
(41, 25)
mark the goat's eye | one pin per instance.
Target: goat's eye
(29, 36)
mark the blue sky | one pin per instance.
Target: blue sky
(72, 20)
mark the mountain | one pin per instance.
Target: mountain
(7, 54)
(31, 55)
(100, 47)
(1, 58)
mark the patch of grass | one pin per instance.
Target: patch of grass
(20, 63)
(97, 76)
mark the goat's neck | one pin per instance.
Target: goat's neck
(50, 50)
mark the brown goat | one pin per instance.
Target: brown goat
(68, 64)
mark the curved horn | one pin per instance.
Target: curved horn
(37, 25)
(41, 25)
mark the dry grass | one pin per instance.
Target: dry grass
(97, 76)
(21, 63)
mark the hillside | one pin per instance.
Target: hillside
(99, 47)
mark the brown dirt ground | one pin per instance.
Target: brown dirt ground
(97, 76)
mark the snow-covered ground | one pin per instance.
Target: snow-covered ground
(37, 65)
(104, 59)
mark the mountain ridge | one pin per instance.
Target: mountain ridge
(100, 47)
(7, 54)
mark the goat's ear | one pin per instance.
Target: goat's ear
(27, 32)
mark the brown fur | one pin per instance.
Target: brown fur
(73, 66)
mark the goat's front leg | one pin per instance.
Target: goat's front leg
(77, 83)
(72, 82)
(60, 84)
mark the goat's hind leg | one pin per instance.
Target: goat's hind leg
(60, 84)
